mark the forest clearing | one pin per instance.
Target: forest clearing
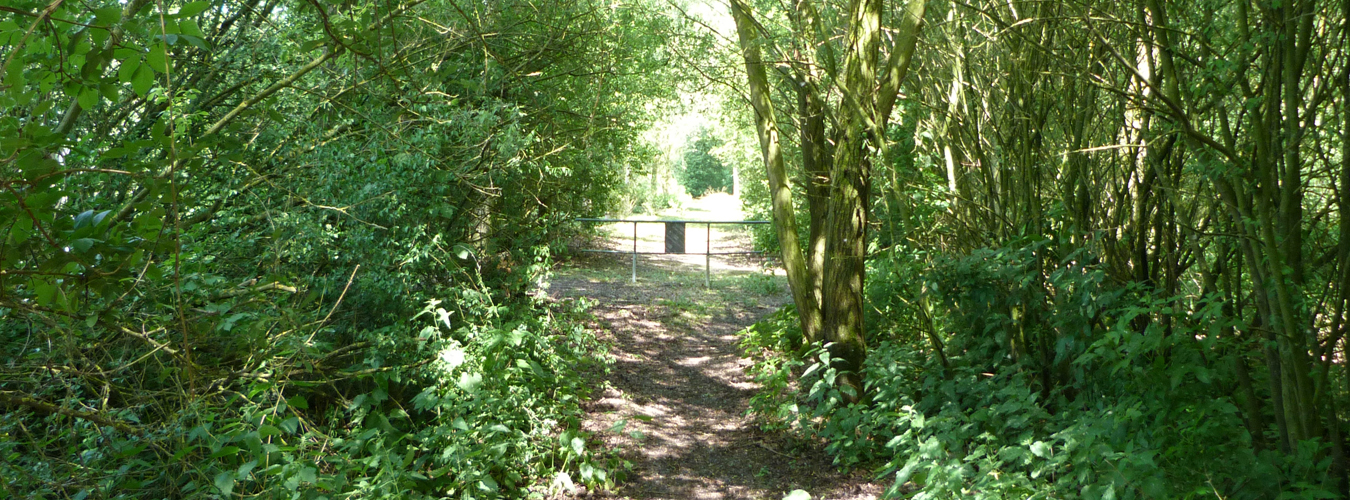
(310, 249)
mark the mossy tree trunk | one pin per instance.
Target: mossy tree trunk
(828, 281)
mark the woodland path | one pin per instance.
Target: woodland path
(679, 380)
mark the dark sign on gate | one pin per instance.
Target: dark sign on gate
(674, 237)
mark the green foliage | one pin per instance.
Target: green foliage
(702, 172)
(774, 342)
(1082, 402)
(219, 224)
(478, 410)
(1081, 285)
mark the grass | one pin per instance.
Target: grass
(679, 286)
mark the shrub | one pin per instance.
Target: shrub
(1049, 388)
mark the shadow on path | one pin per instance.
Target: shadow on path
(678, 379)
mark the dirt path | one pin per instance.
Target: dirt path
(679, 381)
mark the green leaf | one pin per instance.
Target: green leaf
(243, 471)
(537, 369)
(462, 251)
(109, 91)
(312, 44)
(290, 425)
(1040, 449)
(85, 218)
(192, 9)
(811, 369)
(88, 98)
(267, 431)
(108, 16)
(182, 452)
(99, 217)
(488, 484)
(191, 28)
(35, 164)
(578, 446)
(83, 243)
(122, 55)
(157, 58)
(226, 451)
(14, 75)
(298, 402)
(126, 70)
(21, 230)
(71, 87)
(194, 41)
(142, 80)
(470, 381)
(225, 483)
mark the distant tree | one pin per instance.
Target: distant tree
(702, 171)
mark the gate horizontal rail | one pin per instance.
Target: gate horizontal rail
(674, 228)
(591, 219)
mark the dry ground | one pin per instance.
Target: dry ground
(678, 382)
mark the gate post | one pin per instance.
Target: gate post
(707, 259)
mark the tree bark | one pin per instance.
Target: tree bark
(780, 194)
(828, 288)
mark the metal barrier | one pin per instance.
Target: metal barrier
(675, 241)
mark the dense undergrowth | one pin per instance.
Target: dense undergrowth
(1107, 245)
(466, 398)
(960, 407)
(286, 249)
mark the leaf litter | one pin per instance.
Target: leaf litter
(674, 401)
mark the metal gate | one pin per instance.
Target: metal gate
(675, 241)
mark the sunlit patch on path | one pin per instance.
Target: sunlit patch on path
(679, 384)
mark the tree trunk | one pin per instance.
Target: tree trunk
(828, 288)
(784, 219)
(846, 249)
